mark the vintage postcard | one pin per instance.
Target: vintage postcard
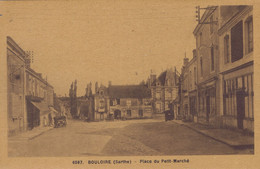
(136, 84)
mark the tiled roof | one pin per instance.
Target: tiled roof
(161, 79)
(128, 91)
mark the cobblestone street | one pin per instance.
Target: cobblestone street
(120, 138)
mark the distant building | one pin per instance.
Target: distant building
(164, 90)
(101, 102)
(122, 102)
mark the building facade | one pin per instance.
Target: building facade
(39, 99)
(122, 102)
(30, 97)
(188, 88)
(207, 49)
(164, 90)
(237, 66)
(15, 87)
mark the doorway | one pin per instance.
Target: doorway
(240, 108)
(117, 114)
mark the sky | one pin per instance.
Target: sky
(118, 41)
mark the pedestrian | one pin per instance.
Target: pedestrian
(50, 119)
(44, 122)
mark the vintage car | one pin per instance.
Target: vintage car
(60, 121)
(169, 115)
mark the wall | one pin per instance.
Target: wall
(16, 96)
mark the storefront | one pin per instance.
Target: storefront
(193, 105)
(238, 99)
(207, 103)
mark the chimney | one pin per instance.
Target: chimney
(96, 87)
(185, 61)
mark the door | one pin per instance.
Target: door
(240, 109)
(207, 108)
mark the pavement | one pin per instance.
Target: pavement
(227, 136)
(130, 137)
(30, 134)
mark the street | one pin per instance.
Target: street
(120, 138)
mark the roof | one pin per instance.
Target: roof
(161, 78)
(128, 91)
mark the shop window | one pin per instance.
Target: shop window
(237, 42)
(231, 86)
(226, 49)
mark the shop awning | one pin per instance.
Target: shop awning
(43, 107)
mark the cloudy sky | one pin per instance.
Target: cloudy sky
(101, 40)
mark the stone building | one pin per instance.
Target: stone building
(207, 49)
(188, 88)
(39, 99)
(30, 96)
(15, 87)
(122, 102)
(101, 102)
(236, 66)
(164, 90)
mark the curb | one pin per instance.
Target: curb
(39, 134)
(217, 139)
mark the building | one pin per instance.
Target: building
(184, 95)
(30, 97)
(236, 64)
(164, 90)
(101, 102)
(188, 88)
(122, 102)
(15, 87)
(192, 88)
(207, 49)
(39, 99)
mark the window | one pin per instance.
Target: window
(212, 59)
(129, 113)
(211, 24)
(190, 77)
(201, 67)
(195, 76)
(249, 34)
(226, 49)
(158, 95)
(140, 112)
(237, 42)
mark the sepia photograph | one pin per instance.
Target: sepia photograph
(99, 80)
